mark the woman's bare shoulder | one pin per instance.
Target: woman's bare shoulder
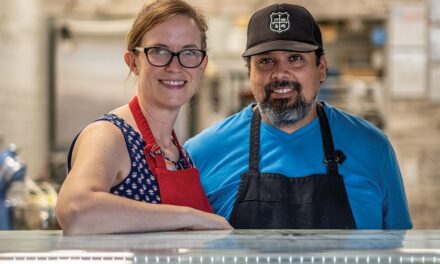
(100, 141)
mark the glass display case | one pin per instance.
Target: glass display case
(237, 246)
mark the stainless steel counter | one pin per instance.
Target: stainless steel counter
(238, 246)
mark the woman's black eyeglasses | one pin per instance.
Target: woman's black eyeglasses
(161, 57)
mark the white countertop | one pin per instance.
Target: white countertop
(238, 246)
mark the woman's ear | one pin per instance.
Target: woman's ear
(204, 63)
(130, 60)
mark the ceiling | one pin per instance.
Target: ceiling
(321, 9)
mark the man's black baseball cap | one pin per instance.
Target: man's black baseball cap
(282, 27)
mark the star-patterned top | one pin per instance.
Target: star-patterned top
(140, 183)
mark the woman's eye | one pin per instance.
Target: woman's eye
(157, 51)
(188, 52)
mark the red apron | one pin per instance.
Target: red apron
(179, 187)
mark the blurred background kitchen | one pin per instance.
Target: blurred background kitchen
(61, 67)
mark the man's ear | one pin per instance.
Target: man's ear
(130, 60)
(323, 67)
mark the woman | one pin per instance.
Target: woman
(127, 170)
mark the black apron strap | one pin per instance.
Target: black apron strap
(331, 157)
(272, 200)
(254, 141)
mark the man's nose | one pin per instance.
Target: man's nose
(280, 71)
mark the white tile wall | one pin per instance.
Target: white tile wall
(23, 72)
(23, 89)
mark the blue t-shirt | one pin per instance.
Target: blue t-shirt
(371, 173)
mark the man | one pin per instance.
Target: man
(290, 161)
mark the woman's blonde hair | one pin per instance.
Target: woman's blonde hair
(158, 11)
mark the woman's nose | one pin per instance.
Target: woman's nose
(174, 64)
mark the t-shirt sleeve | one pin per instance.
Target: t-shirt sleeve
(395, 208)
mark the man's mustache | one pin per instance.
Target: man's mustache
(283, 84)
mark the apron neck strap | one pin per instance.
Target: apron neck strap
(152, 148)
(181, 151)
(254, 141)
(141, 121)
(331, 157)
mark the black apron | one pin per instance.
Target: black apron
(274, 201)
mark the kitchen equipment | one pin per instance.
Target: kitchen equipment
(12, 169)
(32, 205)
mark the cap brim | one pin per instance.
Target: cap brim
(286, 45)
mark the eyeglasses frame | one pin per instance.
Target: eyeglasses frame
(173, 54)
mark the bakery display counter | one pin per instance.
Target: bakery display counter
(237, 246)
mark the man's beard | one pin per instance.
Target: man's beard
(285, 111)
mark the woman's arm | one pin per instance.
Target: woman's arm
(85, 205)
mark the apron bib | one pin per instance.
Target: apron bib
(176, 187)
(275, 201)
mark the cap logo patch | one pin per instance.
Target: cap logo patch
(279, 21)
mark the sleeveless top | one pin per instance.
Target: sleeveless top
(140, 184)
